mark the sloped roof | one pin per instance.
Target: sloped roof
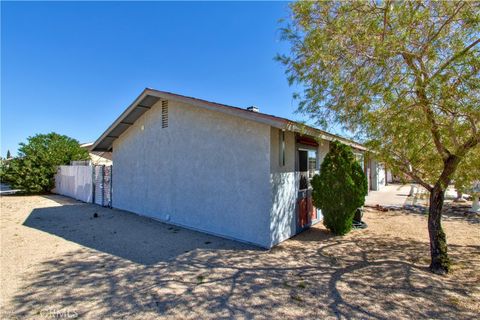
(149, 97)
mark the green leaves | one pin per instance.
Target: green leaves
(468, 172)
(405, 76)
(340, 188)
(34, 169)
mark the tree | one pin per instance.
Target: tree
(340, 188)
(403, 76)
(8, 154)
(468, 172)
(34, 169)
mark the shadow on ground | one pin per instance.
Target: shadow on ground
(450, 212)
(123, 234)
(313, 275)
(213, 284)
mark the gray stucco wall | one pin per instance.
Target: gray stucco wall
(284, 183)
(284, 188)
(206, 171)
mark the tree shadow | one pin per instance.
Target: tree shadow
(138, 239)
(314, 233)
(359, 276)
(402, 194)
(449, 213)
(313, 275)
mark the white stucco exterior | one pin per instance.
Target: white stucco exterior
(212, 168)
(284, 181)
(284, 188)
(377, 175)
(206, 171)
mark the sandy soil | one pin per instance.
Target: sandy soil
(58, 261)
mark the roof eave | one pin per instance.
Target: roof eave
(122, 116)
(320, 134)
(238, 112)
(276, 122)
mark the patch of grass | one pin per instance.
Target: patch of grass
(301, 285)
(200, 279)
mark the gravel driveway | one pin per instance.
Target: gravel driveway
(58, 260)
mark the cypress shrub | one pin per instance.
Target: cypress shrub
(340, 188)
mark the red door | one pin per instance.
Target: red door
(302, 212)
(312, 211)
(306, 211)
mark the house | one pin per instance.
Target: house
(97, 158)
(232, 172)
(377, 175)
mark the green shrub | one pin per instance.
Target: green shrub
(340, 188)
(34, 169)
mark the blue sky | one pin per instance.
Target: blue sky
(73, 68)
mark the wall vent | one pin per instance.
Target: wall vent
(165, 114)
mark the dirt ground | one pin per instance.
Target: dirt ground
(59, 261)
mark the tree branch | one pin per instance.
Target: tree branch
(408, 169)
(424, 104)
(451, 130)
(474, 125)
(430, 116)
(469, 144)
(385, 19)
(442, 26)
(454, 57)
(419, 181)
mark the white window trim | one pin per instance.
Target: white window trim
(282, 147)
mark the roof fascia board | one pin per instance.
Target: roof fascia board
(120, 119)
(307, 130)
(273, 121)
(245, 114)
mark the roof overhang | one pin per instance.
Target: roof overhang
(321, 134)
(142, 104)
(149, 97)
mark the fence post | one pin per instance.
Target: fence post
(103, 185)
(111, 187)
(94, 184)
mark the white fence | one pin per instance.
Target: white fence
(92, 184)
(75, 182)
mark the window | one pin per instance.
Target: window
(312, 163)
(360, 159)
(307, 165)
(282, 147)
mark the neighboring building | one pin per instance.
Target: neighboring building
(228, 171)
(97, 158)
(377, 175)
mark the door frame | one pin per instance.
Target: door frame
(304, 196)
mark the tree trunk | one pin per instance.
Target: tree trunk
(440, 263)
